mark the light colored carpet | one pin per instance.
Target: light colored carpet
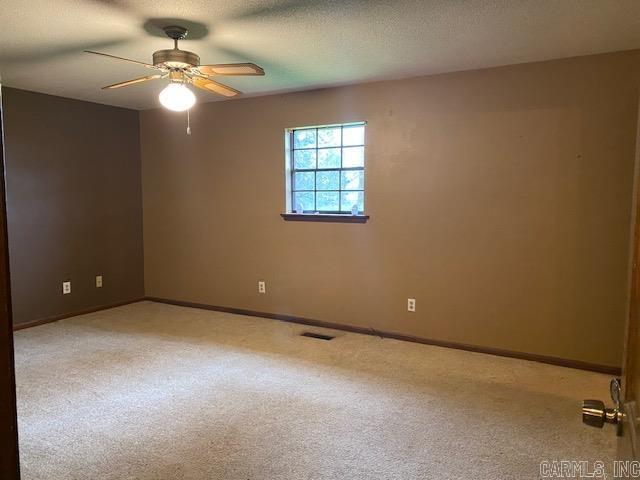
(152, 391)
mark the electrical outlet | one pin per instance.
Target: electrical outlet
(66, 287)
(262, 287)
(98, 281)
(411, 304)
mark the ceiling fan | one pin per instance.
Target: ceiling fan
(182, 68)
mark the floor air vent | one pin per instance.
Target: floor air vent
(319, 336)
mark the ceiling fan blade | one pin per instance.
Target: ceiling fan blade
(231, 69)
(132, 82)
(214, 87)
(148, 65)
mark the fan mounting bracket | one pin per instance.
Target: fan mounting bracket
(175, 32)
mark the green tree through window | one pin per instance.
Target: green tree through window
(327, 168)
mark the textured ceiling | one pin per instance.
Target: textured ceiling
(300, 43)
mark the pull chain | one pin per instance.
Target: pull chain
(188, 122)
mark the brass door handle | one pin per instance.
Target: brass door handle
(595, 414)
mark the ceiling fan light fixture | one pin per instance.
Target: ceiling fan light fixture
(183, 68)
(177, 97)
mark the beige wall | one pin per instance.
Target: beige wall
(499, 199)
(74, 204)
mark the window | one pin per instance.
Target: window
(326, 169)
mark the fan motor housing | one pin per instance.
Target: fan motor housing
(175, 58)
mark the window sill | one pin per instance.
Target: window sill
(324, 217)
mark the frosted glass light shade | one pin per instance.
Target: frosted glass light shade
(177, 97)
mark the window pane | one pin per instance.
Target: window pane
(353, 157)
(304, 181)
(353, 135)
(304, 138)
(328, 180)
(328, 168)
(304, 159)
(352, 180)
(352, 198)
(303, 201)
(329, 158)
(329, 137)
(327, 201)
